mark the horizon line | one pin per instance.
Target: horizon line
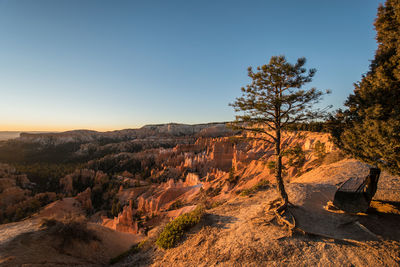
(59, 130)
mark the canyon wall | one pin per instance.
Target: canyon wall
(217, 167)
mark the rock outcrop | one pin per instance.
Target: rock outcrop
(161, 198)
(221, 155)
(125, 221)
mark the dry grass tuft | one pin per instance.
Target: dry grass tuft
(69, 230)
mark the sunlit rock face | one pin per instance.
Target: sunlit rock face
(192, 179)
(161, 198)
(208, 167)
(222, 155)
(125, 221)
(207, 164)
(218, 153)
(154, 201)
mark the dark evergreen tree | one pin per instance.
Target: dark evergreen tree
(273, 101)
(369, 129)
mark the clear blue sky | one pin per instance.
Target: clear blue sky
(71, 64)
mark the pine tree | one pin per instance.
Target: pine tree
(273, 101)
(369, 128)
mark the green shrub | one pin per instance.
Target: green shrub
(26, 207)
(233, 179)
(319, 149)
(213, 191)
(45, 175)
(176, 205)
(308, 126)
(263, 184)
(174, 230)
(271, 166)
(296, 156)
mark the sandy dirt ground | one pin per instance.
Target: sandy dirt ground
(33, 246)
(241, 233)
(25, 243)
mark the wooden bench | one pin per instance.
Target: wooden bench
(356, 194)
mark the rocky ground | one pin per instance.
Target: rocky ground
(240, 232)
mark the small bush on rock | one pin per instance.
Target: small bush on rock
(296, 156)
(69, 230)
(319, 149)
(233, 178)
(271, 166)
(174, 230)
(176, 205)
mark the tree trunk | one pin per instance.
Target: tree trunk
(278, 169)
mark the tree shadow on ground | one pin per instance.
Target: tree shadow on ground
(383, 219)
(380, 222)
(218, 221)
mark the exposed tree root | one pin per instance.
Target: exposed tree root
(282, 213)
(287, 218)
(283, 216)
(281, 208)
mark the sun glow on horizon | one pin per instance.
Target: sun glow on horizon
(60, 128)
